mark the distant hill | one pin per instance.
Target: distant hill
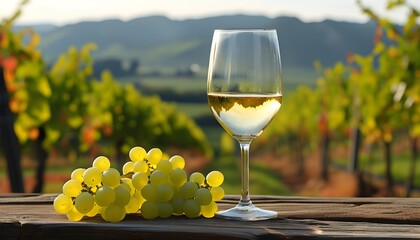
(159, 41)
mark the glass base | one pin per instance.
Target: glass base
(247, 213)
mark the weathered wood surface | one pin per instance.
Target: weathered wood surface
(33, 217)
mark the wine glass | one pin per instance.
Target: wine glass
(244, 91)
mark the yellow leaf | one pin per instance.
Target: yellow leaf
(44, 87)
(21, 133)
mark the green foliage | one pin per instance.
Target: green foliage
(378, 92)
(80, 113)
(25, 78)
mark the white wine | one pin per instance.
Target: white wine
(244, 114)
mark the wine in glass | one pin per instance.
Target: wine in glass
(244, 91)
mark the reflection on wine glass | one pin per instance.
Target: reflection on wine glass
(244, 91)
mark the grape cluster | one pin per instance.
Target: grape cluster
(149, 184)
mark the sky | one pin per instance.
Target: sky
(62, 12)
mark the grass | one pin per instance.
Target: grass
(194, 110)
(263, 181)
(374, 163)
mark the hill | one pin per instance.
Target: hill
(158, 41)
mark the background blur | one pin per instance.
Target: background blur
(89, 78)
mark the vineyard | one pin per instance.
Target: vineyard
(368, 103)
(362, 116)
(64, 110)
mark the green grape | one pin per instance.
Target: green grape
(77, 174)
(140, 166)
(178, 205)
(95, 210)
(218, 193)
(149, 210)
(111, 177)
(63, 204)
(84, 202)
(102, 163)
(198, 178)
(72, 188)
(139, 180)
(74, 215)
(149, 192)
(127, 183)
(128, 167)
(177, 161)
(122, 196)
(158, 177)
(209, 210)
(203, 196)
(92, 176)
(215, 178)
(103, 213)
(164, 166)
(164, 192)
(154, 156)
(139, 197)
(114, 213)
(165, 209)
(133, 206)
(188, 190)
(137, 154)
(178, 177)
(192, 208)
(105, 196)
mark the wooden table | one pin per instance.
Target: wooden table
(33, 217)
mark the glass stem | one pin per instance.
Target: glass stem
(245, 199)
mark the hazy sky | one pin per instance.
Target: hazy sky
(70, 11)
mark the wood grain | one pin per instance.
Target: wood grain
(33, 217)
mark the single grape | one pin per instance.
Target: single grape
(178, 205)
(203, 196)
(111, 177)
(149, 192)
(63, 204)
(158, 177)
(105, 196)
(192, 208)
(133, 206)
(149, 210)
(137, 154)
(84, 202)
(127, 183)
(178, 177)
(102, 163)
(74, 215)
(218, 193)
(177, 161)
(154, 156)
(92, 176)
(72, 188)
(122, 196)
(188, 190)
(139, 180)
(77, 174)
(215, 178)
(198, 178)
(140, 166)
(95, 210)
(114, 213)
(164, 192)
(139, 197)
(209, 210)
(128, 167)
(164, 166)
(165, 209)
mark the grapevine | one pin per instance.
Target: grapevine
(150, 184)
